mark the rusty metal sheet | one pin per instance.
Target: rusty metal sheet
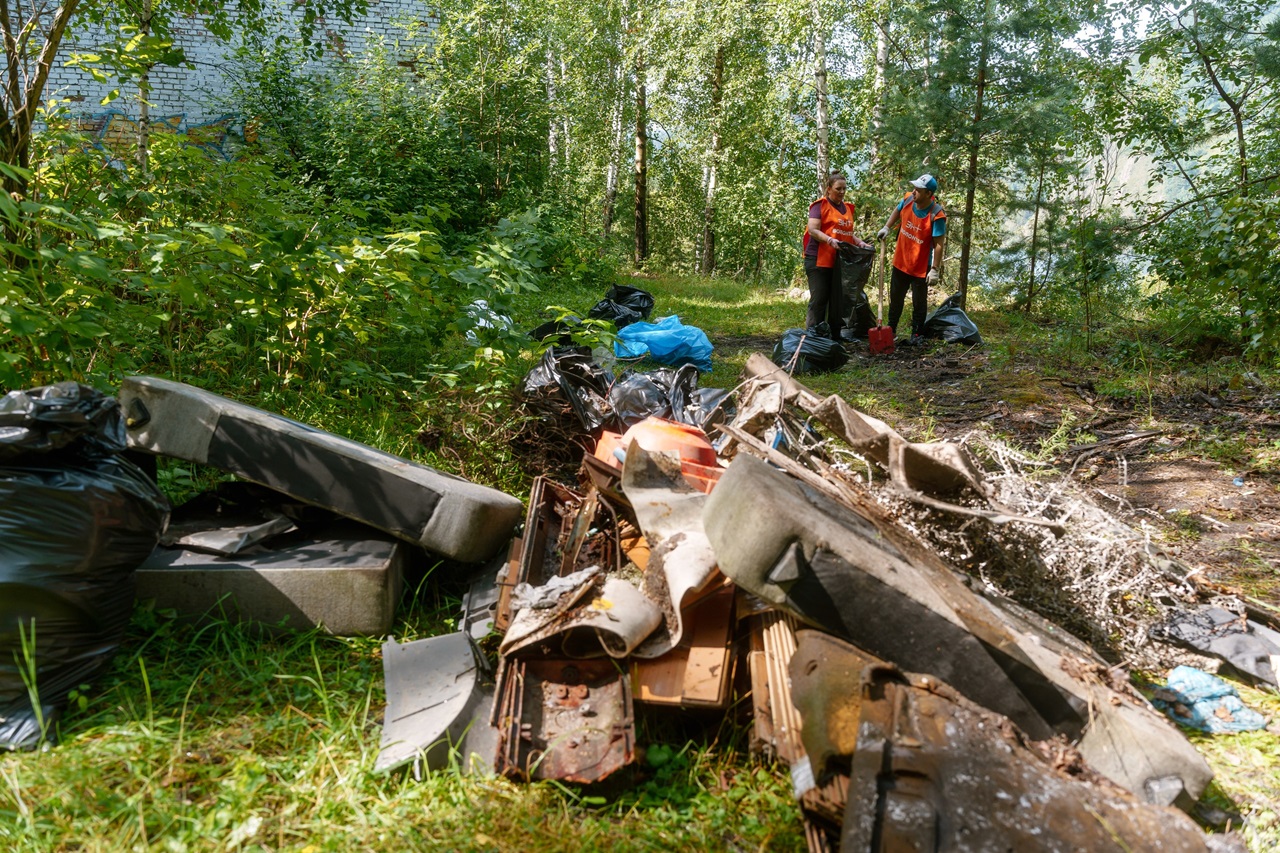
(571, 720)
(564, 532)
(931, 771)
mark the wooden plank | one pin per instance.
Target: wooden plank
(697, 672)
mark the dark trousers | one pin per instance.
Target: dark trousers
(824, 298)
(899, 284)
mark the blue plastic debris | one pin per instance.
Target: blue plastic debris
(667, 341)
(1198, 700)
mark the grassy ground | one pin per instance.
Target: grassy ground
(222, 738)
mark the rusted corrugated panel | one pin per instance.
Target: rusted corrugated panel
(570, 720)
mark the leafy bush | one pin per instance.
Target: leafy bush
(226, 272)
(366, 131)
(1218, 266)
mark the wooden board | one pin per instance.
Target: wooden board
(697, 672)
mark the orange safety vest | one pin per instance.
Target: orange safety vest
(915, 238)
(834, 224)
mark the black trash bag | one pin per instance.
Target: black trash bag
(949, 322)
(709, 406)
(700, 407)
(633, 298)
(562, 330)
(636, 396)
(52, 417)
(620, 315)
(671, 393)
(817, 352)
(623, 306)
(76, 520)
(855, 271)
(567, 380)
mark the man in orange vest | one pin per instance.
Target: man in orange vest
(917, 260)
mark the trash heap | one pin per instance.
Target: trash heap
(767, 549)
(915, 708)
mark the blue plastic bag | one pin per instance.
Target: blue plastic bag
(667, 341)
(1198, 700)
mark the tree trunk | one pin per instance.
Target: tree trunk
(144, 124)
(877, 110)
(971, 173)
(641, 252)
(820, 87)
(709, 208)
(1035, 239)
(614, 169)
(24, 91)
(1235, 106)
(144, 95)
(553, 126)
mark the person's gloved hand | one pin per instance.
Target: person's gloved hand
(882, 233)
(933, 277)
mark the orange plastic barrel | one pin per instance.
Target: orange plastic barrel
(661, 434)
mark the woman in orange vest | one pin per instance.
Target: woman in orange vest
(830, 224)
(917, 260)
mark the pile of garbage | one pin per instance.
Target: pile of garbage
(914, 707)
(765, 548)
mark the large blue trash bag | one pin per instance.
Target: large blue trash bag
(76, 520)
(949, 322)
(667, 341)
(1202, 701)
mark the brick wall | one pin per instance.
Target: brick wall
(191, 98)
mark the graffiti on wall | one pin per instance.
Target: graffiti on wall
(116, 134)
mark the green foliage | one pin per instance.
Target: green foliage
(369, 134)
(1219, 270)
(224, 272)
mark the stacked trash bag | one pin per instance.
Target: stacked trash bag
(76, 520)
(571, 381)
(568, 382)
